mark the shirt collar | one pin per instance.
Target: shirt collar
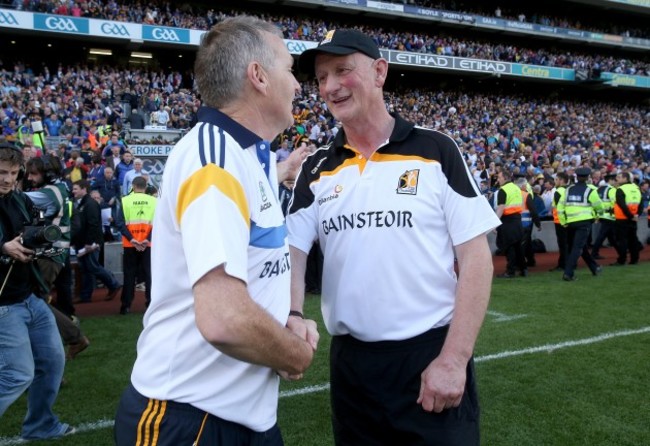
(400, 132)
(244, 137)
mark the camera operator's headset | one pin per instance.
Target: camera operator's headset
(6, 145)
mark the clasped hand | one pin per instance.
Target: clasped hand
(307, 330)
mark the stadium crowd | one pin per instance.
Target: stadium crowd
(86, 110)
(313, 29)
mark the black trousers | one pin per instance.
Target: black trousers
(626, 240)
(527, 246)
(374, 389)
(135, 262)
(577, 236)
(607, 231)
(148, 422)
(509, 236)
(562, 245)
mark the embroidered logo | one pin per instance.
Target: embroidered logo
(408, 182)
(265, 201)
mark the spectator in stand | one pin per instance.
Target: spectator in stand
(283, 151)
(52, 125)
(96, 170)
(109, 187)
(136, 119)
(131, 175)
(125, 166)
(115, 156)
(68, 128)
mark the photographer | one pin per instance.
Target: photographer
(50, 195)
(28, 334)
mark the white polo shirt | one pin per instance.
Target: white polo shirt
(387, 227)
(218, 206)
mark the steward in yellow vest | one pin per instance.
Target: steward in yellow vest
(135, 222)
(627, 208)
(561, 182)
(510, 205)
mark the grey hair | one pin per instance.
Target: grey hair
(520, 182)
(224, 55)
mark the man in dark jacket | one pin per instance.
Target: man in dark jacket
(87, 239)
(29, 339)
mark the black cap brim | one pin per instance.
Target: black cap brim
(307, 59)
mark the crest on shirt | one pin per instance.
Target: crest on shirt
(265, 200)
(408, 182)
(263, 192)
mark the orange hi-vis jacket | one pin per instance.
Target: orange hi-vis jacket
(138, 210)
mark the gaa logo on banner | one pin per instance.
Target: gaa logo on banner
(7, 18)
(163, 34)
(114, 29)
(63, 24)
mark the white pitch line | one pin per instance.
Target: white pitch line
(502, 317)
(560, 345)
(84, 427)
(102, 424)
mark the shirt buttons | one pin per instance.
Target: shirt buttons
(263, 165)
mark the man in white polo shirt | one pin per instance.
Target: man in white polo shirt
(391, 205)
(215, 336)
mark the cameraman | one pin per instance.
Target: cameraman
(50, 194)
(28, 336)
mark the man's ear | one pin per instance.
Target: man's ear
(257, 76)
(381, 72)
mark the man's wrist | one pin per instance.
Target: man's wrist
(296, 313)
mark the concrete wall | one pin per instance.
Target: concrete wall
(547, 234)
(113, 259)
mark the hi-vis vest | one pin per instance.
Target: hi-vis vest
(560, 190)
(607, 195)
(526, 217)
(138, 209)
(104, 132)
(632, 199)
(578, 204)
(513, 199)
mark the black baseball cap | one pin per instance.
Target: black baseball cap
(340, 42)
(583, 171)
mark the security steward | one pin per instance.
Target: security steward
(577, 210)
(510, 205)
(627, 209)
(135, 222)
(607, 230)
(561, 183)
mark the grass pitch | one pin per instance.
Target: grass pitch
(558, 364)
